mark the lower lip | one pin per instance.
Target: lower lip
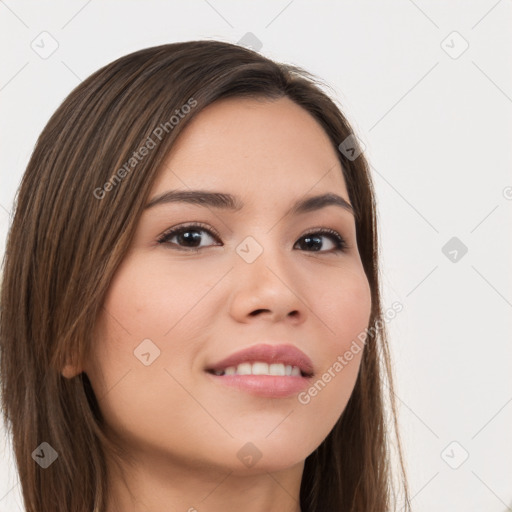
(270, 386)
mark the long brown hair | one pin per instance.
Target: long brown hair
(75, 213)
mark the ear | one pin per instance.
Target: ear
(69, 371)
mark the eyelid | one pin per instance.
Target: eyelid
(186, 225)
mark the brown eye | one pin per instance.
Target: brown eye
(313, 241)
(186, 237)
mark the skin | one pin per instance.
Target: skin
(182, 430)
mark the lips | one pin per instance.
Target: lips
(265, 353)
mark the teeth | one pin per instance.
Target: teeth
(277, 369)
(296, 371)
(244, 369)
(259, 368)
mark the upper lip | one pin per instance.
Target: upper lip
(266, 353)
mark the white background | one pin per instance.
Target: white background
(437, 130)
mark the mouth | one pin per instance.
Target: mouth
(273, 371)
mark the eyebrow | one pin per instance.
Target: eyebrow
(233, 203)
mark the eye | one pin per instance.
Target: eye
(313, 240)
(188, 238)
(188, 235)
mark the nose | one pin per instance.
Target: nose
(266, 288)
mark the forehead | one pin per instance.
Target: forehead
(257, 146)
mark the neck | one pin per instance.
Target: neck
(160, 485)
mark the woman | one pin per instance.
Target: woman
(191, 317)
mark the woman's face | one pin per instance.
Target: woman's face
(245, 277)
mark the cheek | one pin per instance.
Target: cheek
(345, 309)
(345, 313)
(145, 303)
(151, 300)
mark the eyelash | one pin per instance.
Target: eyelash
(340, 242)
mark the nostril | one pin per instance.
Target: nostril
(254, 313)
